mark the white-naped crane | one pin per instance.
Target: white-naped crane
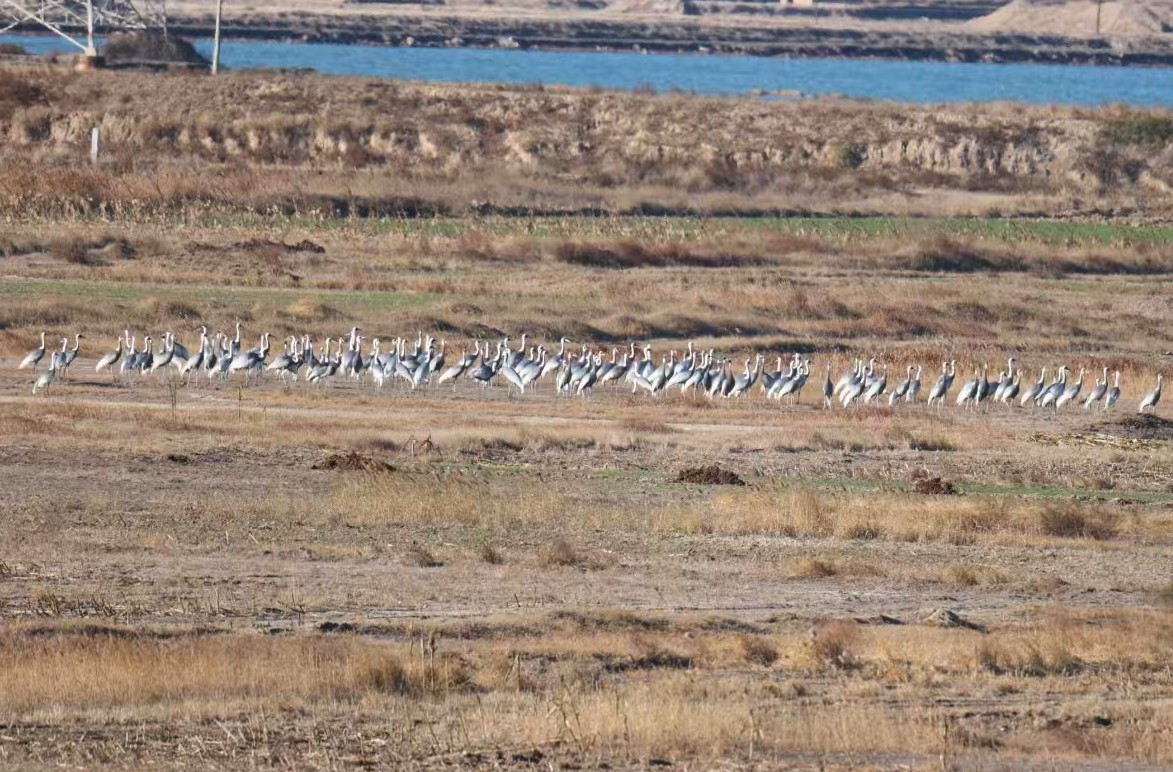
(741, 386)
(129, 362)
(71, 355)
(164, 357)
(1052, 393)
(850, 377)
(1011, 391)
(793, 387)
(1097, 392)
(1005, 378)
(251, 361)
(287, 362)
(484, 372)
(512, 378)
(969, 389)
(34, 357)
(855, 388)
(1071, 393)
(58, 360)
(1152, 398)
(876, 388)
(45, 380)
(455, 371)
(901, 388)
(1113, 393)
(941, 388)
(194, 363)
(110, 358)
(1035, 392)
(914, 387)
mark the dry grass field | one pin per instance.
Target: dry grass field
(216, 576)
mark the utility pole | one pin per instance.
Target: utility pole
(1099, 7)
(216, 38)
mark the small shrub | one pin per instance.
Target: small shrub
(832, 642)
(490, 555)
(16, 92)
(972, 576)
(1147, 131)
(1068, 521)
(963, 575)
(847, 155)
(813, 568)
(862, 531)
(757, 650)
(559, 554)
(71, 250)
(418, 555)
(931, 486)
(646, 425)
(931, 444)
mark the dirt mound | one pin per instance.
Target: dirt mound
(920, 482)
(354, 462)
(260, 245)
(709, 475)
(134, 47)
(943, 617)
(1139, 427)
(1078, 18)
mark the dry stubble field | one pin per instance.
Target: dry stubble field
(196, 575)
(185, 579)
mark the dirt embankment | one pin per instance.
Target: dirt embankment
(673, 33)
(1081, 18)
(581, 147)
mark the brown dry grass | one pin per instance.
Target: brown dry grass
(803, 512)
(119, 667)
(551, 683)
(254, 136)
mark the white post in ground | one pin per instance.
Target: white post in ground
(216, 38)
(94, 145)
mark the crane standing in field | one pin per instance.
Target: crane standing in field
(1152, 398)
(34, 357)
(109, 359)
(69, 356)
(1113, 393)
(45, 380)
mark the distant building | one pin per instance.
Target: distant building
(797, 3)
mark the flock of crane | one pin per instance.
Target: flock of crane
(574, 373)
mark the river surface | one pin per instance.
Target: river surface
(918, 82)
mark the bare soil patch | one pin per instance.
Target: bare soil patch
(709, 475)
(354, 462)
(1139, 427)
